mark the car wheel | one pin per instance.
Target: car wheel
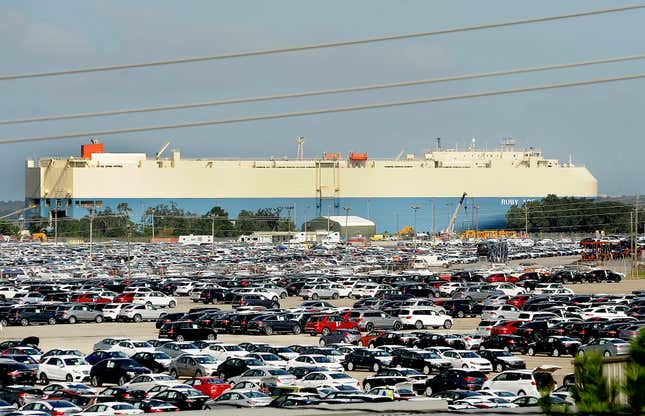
(211, 337)
(521, 393)
(428, 391)
(531, 351)
(69, 378)
(556, 352)
(275, 298)
(376, 367)
(507, 349)
(296, 330)
(72, 320)
(173, 304)
(43, 379)
(283, 295)
(148, 304)
(222, 376)
(447, 324)
(180, 338)
(122, 380)
(326, 331)
(198, 373)
(369, 326)
(315, 296)
(173, 373)
(96, 381)
(460, 314)
(350, 366)
(418, 325)
(24, 322)
(334, 296)
(98, 319)
(426, 369)
(372, 345)
(136, 318)
(3, 322)
(581, 353)
(397, 325)
(268, 330)
(51, 321)
(499, 368)
(275, 305)
(368, 387)
(606, 354)
(322, 342)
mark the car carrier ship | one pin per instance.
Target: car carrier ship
(382, 190)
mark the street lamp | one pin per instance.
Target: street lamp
(347, 209)
(414, 210)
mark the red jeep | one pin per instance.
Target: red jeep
(325, 324)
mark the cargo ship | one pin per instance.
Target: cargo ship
(393, 193)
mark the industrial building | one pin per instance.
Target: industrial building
(349, 226)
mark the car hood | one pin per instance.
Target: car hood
(510, 359)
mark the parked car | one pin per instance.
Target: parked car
(51, 407)
(368, 319)
(273, 324)
(425, 361)
(523, 382)
(186, 331)
(115, 370)
(78, 313)
(156, 361)
(423, 317)
(345, 336)
(510, 343)
(211, 386)
(554, 346)
(183, 399)
(325, 324)
(606, 346)
(502, 360)
(193, 366)
(63, 367)
(240, 398)
(455, 379)
(372, 360)
(14, 373)
(140, 312)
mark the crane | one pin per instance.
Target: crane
(163, 149)
(451, 225)
(18, 211)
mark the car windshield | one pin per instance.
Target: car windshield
(270, 357)
(283, 349)
(468, 354)
(129, 364)
(191, 392)
(338, 376)
(503, 354)
(232, 348)
(254, 394)
(122, 406)
(142, 344)
(205, 360)
(75, 361)
(430, 356)
(381, 353)
(254, 362)
(29, 351)
(618, 341)
(410, 372)
(188, 347)
(278, 372)
(321, 359)
(160, 356)
(61, 403)
(567, 339)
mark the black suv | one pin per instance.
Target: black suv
(254, 300)
(235, 366)
(510, 343)
(603, 276)
(502, 360)
(554, 346)
(424, 361)
(116, 370)
(271, 324)
(455, 379)
(363, 358)
(462, 307)
(215, 296)
(186, 331)
(12, 372)
(25, 315)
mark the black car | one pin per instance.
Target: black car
(20, 395)
(431, 339)
(455, 379)
(424, 361)
(216, 296)
(240, 320)
(392, 338)
(167, 318)
(154, 406)
(502, 360)
(419, 290)
(363, 358)
(510, 343)
(604, 276)
(115, 370)
(466, 276)
(566, 277)
(31, 314)
(462, 307)
(152, 361)
(184, 399)
(272, 324)
(554, 346)
(394, 376)
(101, 355)
(186, 331)
(532, 330)
(123, 394)
(300, 372)
(12, 372)
(220, 321)
(235, 366)
(254, 300)
(345, 336)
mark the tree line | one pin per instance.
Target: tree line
(167, 220)
(568, 214)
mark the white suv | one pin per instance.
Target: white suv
(424, 317)
(523, 382)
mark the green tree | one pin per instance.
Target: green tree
(593, 392)
(9, 228)
(634, 386)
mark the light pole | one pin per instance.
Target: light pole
(414, 210)
(91, 220)
(347, 209)
(152, 213)
(129, 255)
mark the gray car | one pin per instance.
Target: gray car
(78, 313)
(175, 349)
(369, 319)
(476, 293)
(606, 346)
(192, 366)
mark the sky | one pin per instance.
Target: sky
(598, 126)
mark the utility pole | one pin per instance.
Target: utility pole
(56, 227)
(434, 222)
(636, 237)
(212, 234)
(472, 213)
(477, 221)
(153, 224)
(91, 220)
(414, 210)
(328, 219)
(526, 220)
(347, 209)
(129, 237)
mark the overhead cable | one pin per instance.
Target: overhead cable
(319, 92)
(322, 111)
(318, 45)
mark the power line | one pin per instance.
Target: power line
(321, 92)
(323, 111)
(319, 45)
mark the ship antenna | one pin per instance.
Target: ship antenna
(300, 141)
(438, 143)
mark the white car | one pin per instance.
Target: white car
(69, 368)
(522, 382)
(148, 381)
(500, 312)
(132, 346)
(327, 378)
(602, 312)
(270, 375)
(222, 352)
(509, 289)
(240, 398)
(343, 291)
(424, 317)
(269, 359)
(314, 360)
(467, 359)
(267, 293)
(448, 288)
(7, 292)
(540, 287)
(155, 299)
(111, 310)
(184, 288)
(110, 409)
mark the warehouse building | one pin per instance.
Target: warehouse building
(348, 226)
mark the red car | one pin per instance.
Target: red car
(365, 339)
(506, 328)
(501, 278)
(518, 301)
(90, 298)
(325, 324)
(127, 297)
(210, 386)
